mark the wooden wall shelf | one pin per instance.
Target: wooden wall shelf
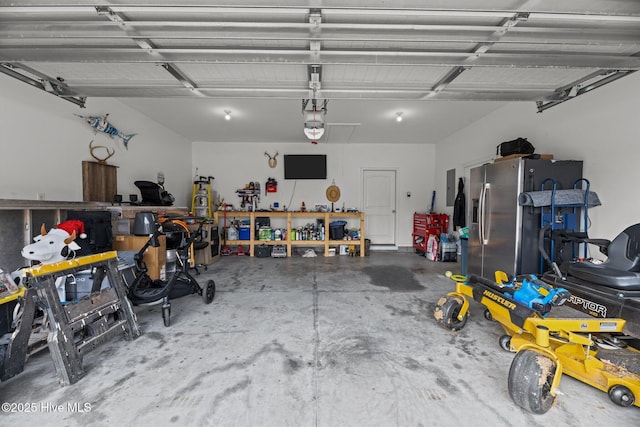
(289, 216)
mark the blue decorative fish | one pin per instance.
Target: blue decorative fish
(100, 123)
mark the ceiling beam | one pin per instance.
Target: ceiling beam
(587, 39)
(407, 94)
(294, 56)
(65, 10)
(74, 26)
(45, 83)
(580, 87)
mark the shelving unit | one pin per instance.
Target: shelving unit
(289, 216)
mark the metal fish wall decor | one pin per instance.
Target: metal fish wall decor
(100, 123)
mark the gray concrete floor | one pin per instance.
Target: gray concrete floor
(336, 341)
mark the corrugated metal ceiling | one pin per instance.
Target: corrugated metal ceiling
(543, 51)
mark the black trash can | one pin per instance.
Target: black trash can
(336, 230)
(367, 248)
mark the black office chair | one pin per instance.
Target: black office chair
(154, 194)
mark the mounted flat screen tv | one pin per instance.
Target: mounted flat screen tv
(305, 166)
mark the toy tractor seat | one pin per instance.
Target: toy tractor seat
(621, 270)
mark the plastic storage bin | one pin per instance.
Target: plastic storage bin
(336, 230)
(244, 232)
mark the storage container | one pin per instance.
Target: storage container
(336, 230)
(79, 285)
(245, 232)
(262, 251)
(264, 233)
(448, 251)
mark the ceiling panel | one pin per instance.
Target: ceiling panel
(517, 78)
(385, 76)
(105, 74)
(247, 74)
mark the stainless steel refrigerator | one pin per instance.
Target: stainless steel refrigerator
(502, 234)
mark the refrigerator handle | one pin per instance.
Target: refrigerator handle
(486, 215)
(484, 220)
(481, 215)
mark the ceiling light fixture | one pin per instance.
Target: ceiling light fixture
(314, 119)
(314, 133)
(227, 115)
(399, 116)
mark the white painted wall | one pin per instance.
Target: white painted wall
(44, 144)
(235, 164)
(601, 128)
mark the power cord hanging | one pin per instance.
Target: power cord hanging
(292, 192)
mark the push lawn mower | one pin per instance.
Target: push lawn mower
(144, 290)
(547, 346)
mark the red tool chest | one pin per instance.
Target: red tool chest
(426, 224)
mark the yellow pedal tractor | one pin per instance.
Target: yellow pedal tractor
(594, 351)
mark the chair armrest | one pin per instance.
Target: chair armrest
(602, 244)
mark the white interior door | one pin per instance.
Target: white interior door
(379, 206)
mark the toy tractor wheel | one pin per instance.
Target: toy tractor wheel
(621, 395)
(446, 313)
(505, 342)
(488, 316)
(209, 292)
(530, 378)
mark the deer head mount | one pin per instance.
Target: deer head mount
(109, 153)
(272, 159)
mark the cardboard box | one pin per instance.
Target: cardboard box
(155, 258)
